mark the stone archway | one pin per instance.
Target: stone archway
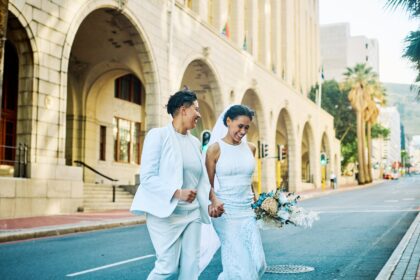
(200, 78)
(109, 70)
(17, 95)
(256, 135)
(257, 127)
(308, 154)
(285, 148)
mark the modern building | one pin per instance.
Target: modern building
(86, 79)
(390, 118)
(340, 50)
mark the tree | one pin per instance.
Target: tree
(361, 82)
(336, 103)
(412, 48)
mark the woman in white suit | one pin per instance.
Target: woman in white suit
(174, 191)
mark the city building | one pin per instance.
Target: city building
(340, 50)
(86, 80)
(391, 147)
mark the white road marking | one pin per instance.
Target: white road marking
(411, 198)
(366, 211)
(108, 266)
(391, 200)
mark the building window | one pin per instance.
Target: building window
(367, 58)
(102, 142)
(126, 141)
(366, 46)
(129, 88)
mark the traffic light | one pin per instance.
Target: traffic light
(205, 138)
(284, 152)
(264, 150)
(324, 159)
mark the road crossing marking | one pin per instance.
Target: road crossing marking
(108, 266)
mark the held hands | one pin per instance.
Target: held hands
(187, 195)
(216, 208)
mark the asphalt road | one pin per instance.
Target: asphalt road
(357, 232)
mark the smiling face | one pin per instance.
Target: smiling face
(190, 115)
(238, 127)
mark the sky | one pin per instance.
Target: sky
(369, 18)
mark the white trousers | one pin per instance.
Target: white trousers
(176, 240)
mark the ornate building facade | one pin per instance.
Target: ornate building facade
(86, 80)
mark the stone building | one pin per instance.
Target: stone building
(84, 80)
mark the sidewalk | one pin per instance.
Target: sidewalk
(43, 226)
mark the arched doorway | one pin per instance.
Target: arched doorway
(200, 78)
(110, 76)
(16, 129)
(254, 136)
(284, 141)
(8, 121)
(307, 154)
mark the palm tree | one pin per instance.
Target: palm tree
(361, 82)
(411, 6)
(412, 51)
(378, 96)
(412, 48)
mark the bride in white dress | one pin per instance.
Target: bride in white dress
(230, 164)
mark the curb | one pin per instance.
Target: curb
(393, 261)
(67, 229)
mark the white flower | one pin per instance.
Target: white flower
(283, 214)
(282, 198)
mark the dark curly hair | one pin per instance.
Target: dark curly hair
(236, 111)
(181, 98)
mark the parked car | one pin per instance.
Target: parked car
(391, 175)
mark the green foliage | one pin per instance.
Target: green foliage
(348, 153)
(336, 103)
(412, 49)
(378, 131)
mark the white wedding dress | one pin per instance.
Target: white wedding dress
(242, 251)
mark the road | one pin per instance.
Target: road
(357, 232)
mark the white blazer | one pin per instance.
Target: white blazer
(161, 175)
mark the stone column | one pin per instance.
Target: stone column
(264, 32)
(251, 19)
(276, 37)
(219, 14)
(287, 41)
(236, 22)
(201, 8)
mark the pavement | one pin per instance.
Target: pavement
(403, 263)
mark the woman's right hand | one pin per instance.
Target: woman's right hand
(187, 195)
(216, 208)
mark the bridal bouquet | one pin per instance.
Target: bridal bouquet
(278, 208)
